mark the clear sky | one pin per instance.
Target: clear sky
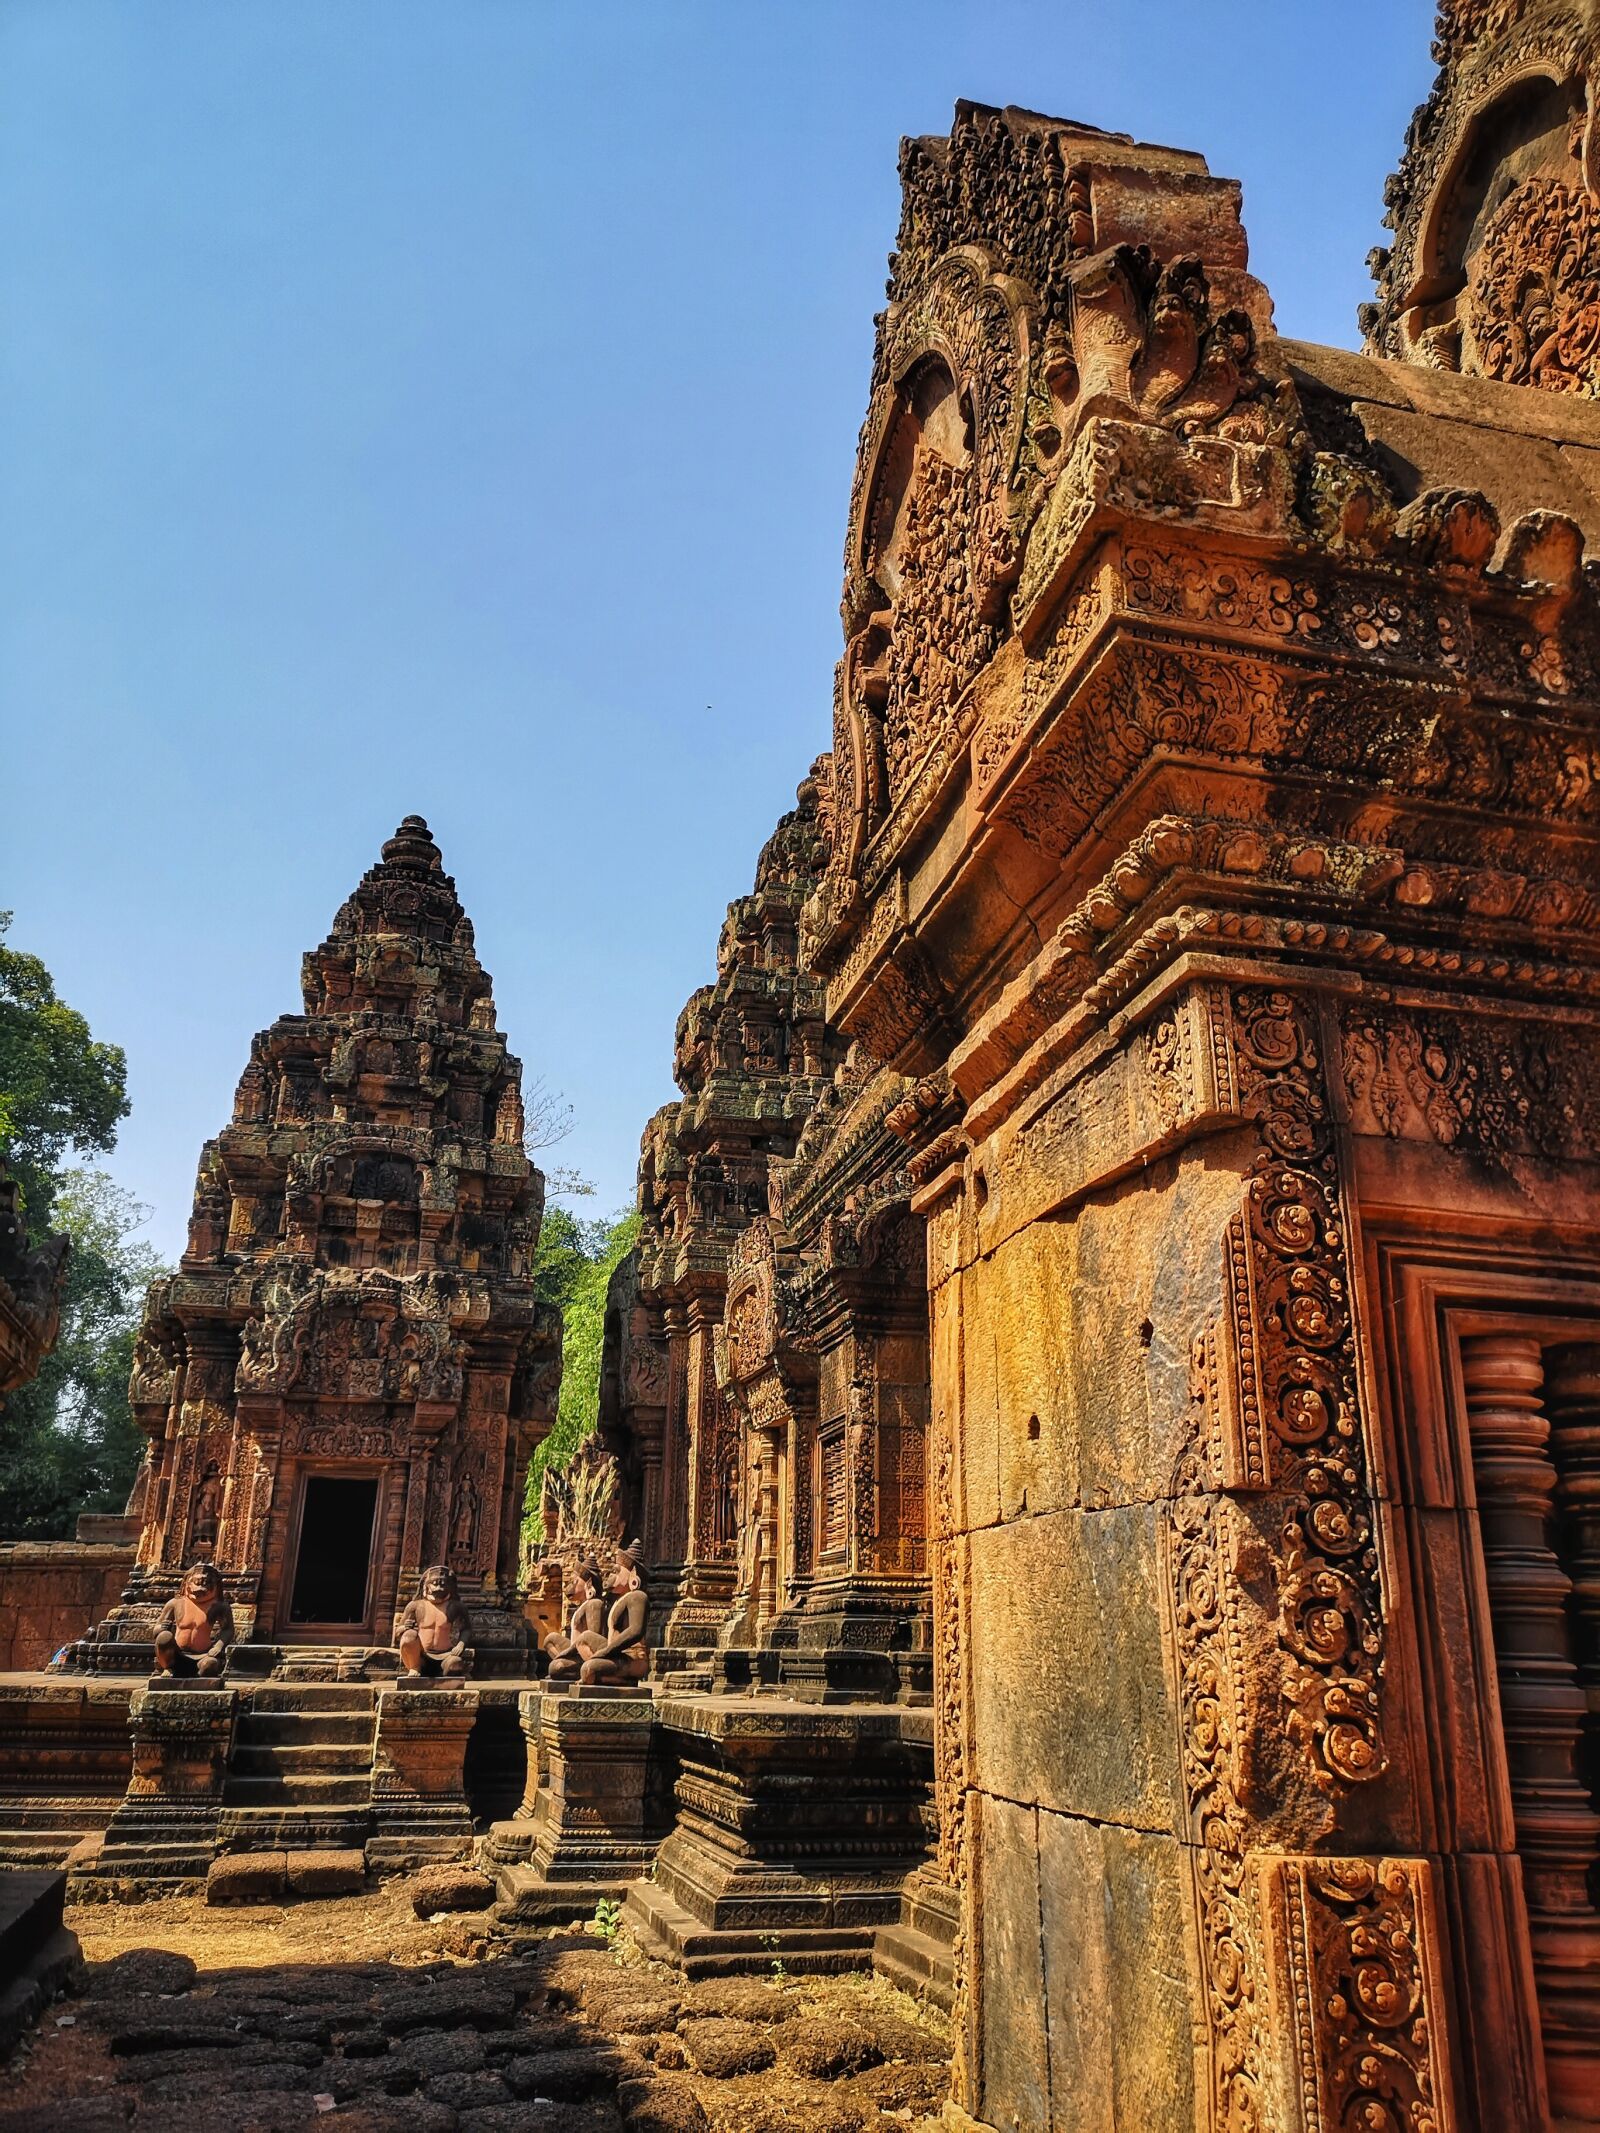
(449, 406)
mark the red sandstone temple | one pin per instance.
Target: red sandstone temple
(344, 1381)
(1110, 1379)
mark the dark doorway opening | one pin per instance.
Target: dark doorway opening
(335, 1552)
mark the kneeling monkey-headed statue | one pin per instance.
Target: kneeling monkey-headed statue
(621, 1657)
(586, 1625)
(195, 1630)
(432, 1632)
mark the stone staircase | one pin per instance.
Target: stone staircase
(300, 1775)
(917, 1953)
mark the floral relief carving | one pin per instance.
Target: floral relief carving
(1533, 301)
(1507, 1088)
(1354, 1941)
(1293, 1337)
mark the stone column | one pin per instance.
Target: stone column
(1542, 1703)
(1572, 1399)
(419, 1795)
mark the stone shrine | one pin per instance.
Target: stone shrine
(345, 1379)
(1182, 1294)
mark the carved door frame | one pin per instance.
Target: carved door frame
(363, 1632)
(1431, 1293)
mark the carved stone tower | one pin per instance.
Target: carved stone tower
(346, 1377)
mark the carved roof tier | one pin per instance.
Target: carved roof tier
(382, 1128)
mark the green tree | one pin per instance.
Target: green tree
(574, 1265)
(59, 1089)
(70, 1442)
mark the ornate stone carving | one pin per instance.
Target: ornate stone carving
(1355, 1949)
(1297, 1423)
(1495, 266)
(359, 1251)
(1506, 1088)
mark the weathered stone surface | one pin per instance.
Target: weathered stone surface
(1014, 2042)
(1093, 1578)
(148, 1970)
(661, 2106)
(248, 1877)
(459, 2003)
(450, 1888)
(823, 2050)
(472, 2091)
(1114, 1917)
(427, 2052)
(723, 2048)
(743, 1999)
(325, 1873)
(919, 2086)
(49, 1590)
(568, 2074)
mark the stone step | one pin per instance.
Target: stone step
(306, 1728)
(32, 1850)
(917, 1963)
(342, 1790)
(312, 1698)
(666, 1930)
(251, 1759)
(295, 1829)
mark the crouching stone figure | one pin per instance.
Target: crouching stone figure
(586, 1625)
(432, 1632)
(620, 1656)
(195, 1630)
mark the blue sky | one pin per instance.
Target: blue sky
(449, 405)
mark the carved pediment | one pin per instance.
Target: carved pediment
(1495, 267)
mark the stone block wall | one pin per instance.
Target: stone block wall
(52, 1592)
(1062, 1380)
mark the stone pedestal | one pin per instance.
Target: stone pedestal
(419, 1796)
(165, 1831)
(582, 1832)
(797, 1827)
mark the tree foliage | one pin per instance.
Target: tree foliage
(59, 1089)
(70, 1442)
(574, 1265)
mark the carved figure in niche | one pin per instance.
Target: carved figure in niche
(725, 1514)
(195, 1630)
(622, 1656)
(464, 1518)
(432, 1632)
(206, 1520)
(586, 1627)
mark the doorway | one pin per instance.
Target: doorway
(333, 1561)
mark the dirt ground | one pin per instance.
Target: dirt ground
(356, 2012)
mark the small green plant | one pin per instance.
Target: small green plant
(607, 1919)
(780, 1976)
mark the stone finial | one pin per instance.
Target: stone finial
(412, 845)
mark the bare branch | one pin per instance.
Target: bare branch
(546, 1115)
